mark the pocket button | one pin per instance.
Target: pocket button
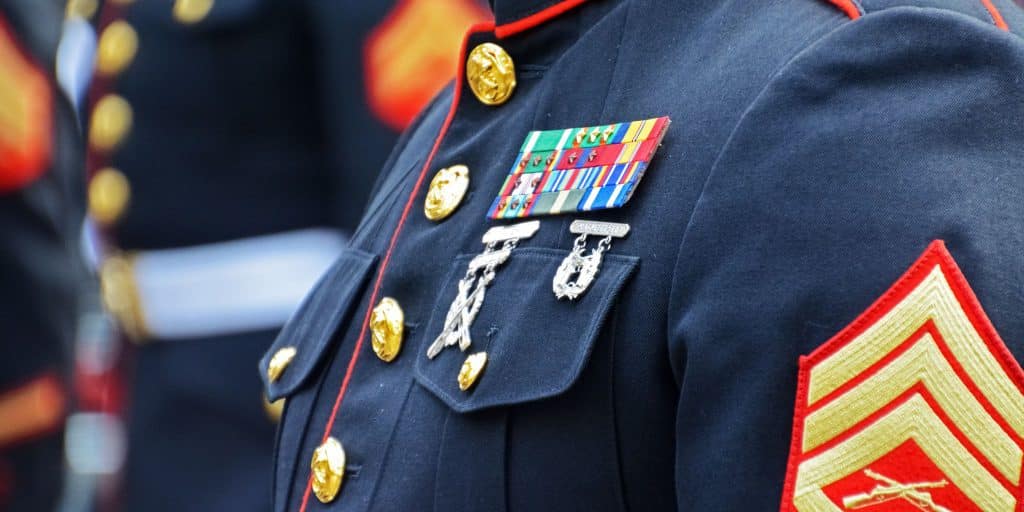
(387, 326)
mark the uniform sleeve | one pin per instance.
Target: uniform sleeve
(897, 129)
(39, 168)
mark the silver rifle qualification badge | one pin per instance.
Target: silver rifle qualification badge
(578, 269)
(473, 287)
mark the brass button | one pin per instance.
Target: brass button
(279, 362)
(111, 121)
(191, 11)
(491, 74)
(472, 367)
(117, 47)
(446, 191)
(81, 8)
(387, 326)
(109, 193)
(328, 470)
(274, 409)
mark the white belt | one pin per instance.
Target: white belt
(216, 289)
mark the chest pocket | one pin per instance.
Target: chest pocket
(311, 329)
(536, 345)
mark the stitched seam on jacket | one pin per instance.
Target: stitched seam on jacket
(726, 145)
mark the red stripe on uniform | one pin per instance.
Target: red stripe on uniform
(515, 27)
(997, 17)
(848, 7)
(481, 27)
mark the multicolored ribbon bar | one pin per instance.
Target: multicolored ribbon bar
(578, 169)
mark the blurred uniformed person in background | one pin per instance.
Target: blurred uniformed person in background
(40, 213)
(682, 255)
(231, 145)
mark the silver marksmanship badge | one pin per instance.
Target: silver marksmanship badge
(498, 245)
(579, 269)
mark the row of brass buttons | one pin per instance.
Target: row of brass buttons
(111, 121)
(387, 328)
(491, 76)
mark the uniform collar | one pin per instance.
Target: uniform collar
(514, 16)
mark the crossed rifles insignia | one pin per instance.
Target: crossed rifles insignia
(499, 242)
(889, 490)
(921, 382)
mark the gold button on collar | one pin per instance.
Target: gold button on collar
(109, 193)
(491, 74)
(279, 362)
(191, 11)
(111, 121)
(472, 367)
(328, 467)
(446, 192)
(117, 47)
(387, 326)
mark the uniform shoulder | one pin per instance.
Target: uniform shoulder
(1004, 14)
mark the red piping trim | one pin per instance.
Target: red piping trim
(357, 350)
(997, 16)
(848, 7)
(515, 27)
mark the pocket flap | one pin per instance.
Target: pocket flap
(311, 328)
(536, 345)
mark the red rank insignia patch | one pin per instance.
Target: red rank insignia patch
(917, 405)
(413, 53)
(25, 115)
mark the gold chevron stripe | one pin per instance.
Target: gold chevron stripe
(932, 300)
(923, 363)
(913, 420)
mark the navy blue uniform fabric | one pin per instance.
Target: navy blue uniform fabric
(39, 274)
(243, 124)
(811, 159)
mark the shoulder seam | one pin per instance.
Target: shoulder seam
(854, 10)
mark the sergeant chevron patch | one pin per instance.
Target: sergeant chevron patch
(578, 169)
(25, 115)
(917, 405)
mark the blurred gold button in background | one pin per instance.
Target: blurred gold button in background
(117, 47)
(109, 194)
(491, 74)
(328, 467)
(111, 121)
(81, 8)
(446, 192)
(191, 11)
(387, 327)
(279, 362)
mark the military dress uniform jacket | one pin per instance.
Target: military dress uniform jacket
(803, 316)
(40, 213)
